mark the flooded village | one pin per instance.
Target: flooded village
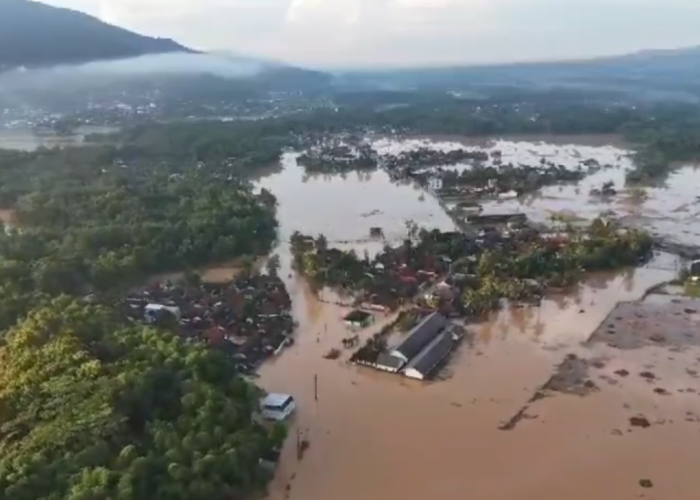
(528, 391)
(499, 307)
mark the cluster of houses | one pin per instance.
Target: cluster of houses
(249, 319)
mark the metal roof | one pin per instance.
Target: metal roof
(420, 336)
(432, 354)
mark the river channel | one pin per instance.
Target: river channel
(375, 436)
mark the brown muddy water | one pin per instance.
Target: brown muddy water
(376, 436)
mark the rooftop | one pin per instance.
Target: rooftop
(420, 336)
(426, 361)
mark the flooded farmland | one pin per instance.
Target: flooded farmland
(376, 436)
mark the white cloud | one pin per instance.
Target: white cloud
(409, 31)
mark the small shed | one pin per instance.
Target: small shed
(358, 319)
(422, 366)
(420, 336)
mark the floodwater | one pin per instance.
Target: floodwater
(27, 140)
(671, 210)
(377, 436)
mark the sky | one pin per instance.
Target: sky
(370, 33)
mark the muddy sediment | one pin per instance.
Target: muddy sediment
(662, 321)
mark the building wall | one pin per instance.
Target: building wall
(413, 373)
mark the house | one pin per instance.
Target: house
(435, 183)
(419, 337)
(358, 319)
(152, 312)
(422, 366)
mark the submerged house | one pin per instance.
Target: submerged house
(429, 358)
(357, 319)
(419, 344)
(419, 337)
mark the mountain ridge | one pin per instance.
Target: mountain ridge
(33, 34)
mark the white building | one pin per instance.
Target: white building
(435, 183)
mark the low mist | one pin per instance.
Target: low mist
(147, 66)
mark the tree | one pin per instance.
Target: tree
(94, 408)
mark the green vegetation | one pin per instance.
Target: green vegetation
(663, 142)
(662, 134)
(517, 265)
(516, 273)
(92, 408)
(91, 405)
(88, 222)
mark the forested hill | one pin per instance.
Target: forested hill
(35, 34)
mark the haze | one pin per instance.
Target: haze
(15, 83)
(408, 32)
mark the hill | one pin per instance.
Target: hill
(34, 34)
(662, 72)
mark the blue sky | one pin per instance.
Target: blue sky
(409, 32)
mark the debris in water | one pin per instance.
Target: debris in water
(646, 483)
(332, 354)
(598, 363)
(639, 422)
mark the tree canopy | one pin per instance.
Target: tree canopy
(92, 408)
(86, 221)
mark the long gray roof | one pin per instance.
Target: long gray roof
(421, 335)
(432, 354)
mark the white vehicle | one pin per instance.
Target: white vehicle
(277, 406)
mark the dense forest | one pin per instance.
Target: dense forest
(93, 406)
(88, 221)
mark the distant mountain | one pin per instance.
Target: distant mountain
(674, 72)
(33, 34)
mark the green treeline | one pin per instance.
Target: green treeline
(91, 408)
